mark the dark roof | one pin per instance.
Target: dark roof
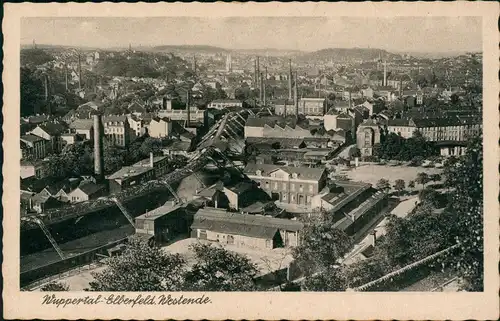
(159, 212)
(242, 224)
(82, 124)
(53, 129)
(31, 138)
(303, 172)
(240, 187)
(444, 121)
(90, 188)
(398, 122)
(38, 119)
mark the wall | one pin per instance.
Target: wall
(240, 240)
(160, 129)
(254, 131)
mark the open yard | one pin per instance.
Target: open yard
(373, 173)
(266, 260)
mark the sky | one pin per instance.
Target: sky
(402, 34)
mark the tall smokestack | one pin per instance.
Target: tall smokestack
(385, 73)
(66, 76)
(261, 91)
(290, 81)
(79, 71)
(98, 149)
(255, 73)
(151, 160)
(265, 85)
(188, 122)
(259, 78)
(296, 97)
(46, 86)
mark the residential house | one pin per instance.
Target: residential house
(292, 185)
(83, 127)
(117, 130)
(33, 147)
(86, 191)
(51, 132)
(244, 230)
(312, 106)
(36, 169)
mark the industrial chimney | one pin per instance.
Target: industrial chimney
(66, 76)
(188, 110)
(261, 90)
(290, 81)
(151, 160)
(79, 71)
(46, 86)
(296, 97)
(98, 149)
(385, 73)
(265, 85)
(259, 78)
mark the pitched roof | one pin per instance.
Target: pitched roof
(303, 172)
(398, 122)
(242, 224)
(90, 188)
(31, 138)
(86, 124)
(158, 212)
(53, 129)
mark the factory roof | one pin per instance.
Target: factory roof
(53, 129)
(159, 212)
(242, 224)
(146, 161)
(129, 171)
(90, 188)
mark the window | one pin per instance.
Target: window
(292, 187)
(275, 185)
(284, 186)
(300, 188)
(284, 197)
(311, 188)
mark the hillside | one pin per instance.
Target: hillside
(121, 66)
(189, 48)
(349, 54)
(35, 57)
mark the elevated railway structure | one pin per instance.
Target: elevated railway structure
(212, 149)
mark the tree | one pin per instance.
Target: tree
(329, 280)
(354, 152)
(411, 184)
(321, 247)
(435, 177)
(217, 269)
(429, 195)
(55, 286)
(466, 212)
(422, 178)
(141, 267)
(383, 184)
(399, 185)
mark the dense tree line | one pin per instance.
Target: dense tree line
(142, 267)
(395, 147)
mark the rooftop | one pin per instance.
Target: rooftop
(242, 224)
(129, 171)
(31, 138)
(159, 212)
(302, 172)
(146, 161)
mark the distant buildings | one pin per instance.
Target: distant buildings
(33, 147)
(225, 103)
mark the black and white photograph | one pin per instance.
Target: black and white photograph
(251, 154)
